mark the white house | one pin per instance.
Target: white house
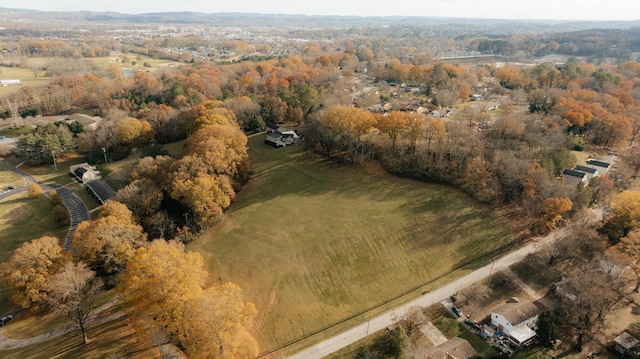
(517, 320)
(84, 172)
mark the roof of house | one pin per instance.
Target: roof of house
(272, 126)
(626, 340)
(516, 313)
(458, 348)
(573, 173)
(102, 190)
(585, 169)
(597, 163)
(454, 348)
(80, 171)
(522, 334)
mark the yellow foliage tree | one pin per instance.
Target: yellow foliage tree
(553, 209)
(216, 325)
(107, 243)
(35, 190)
(624, 217)
(160, 279)
(165, 283)
(30, 268)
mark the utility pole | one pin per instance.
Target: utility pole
(104, 151)
(493, 261)
(55, 166)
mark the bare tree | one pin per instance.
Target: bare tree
(72, 292)
(586, 297)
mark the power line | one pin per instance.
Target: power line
(14, 103)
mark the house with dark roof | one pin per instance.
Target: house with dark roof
(272, 127)
(281, 138)
(517, 320)
(454, 348)
(84, 172)
(572, 178)
(603, 167)
(590, 171)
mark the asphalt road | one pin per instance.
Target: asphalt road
(385, 320)
(77, 210)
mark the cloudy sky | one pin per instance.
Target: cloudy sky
(501, 9)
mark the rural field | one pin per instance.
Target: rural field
(312, 242)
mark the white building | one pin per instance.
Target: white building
(517, 320)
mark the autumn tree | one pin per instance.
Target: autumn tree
(165, 283)
(72, 292)
(142, 196)
(217, 323)
(35, 191)
(553, 209)
(107, 243)
(624, 217)
(30, 269)
(628, 250)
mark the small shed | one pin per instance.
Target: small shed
(625, 343)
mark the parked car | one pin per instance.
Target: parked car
(483, 335)
(456, 311)
(6, 319)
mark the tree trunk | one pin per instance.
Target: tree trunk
(579, 344)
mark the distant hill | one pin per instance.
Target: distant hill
(305, 21)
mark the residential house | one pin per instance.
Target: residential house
(572, 178)
(603, 167)
(454, 348)
(626, 345)
(84, 172)
(477, 97)
(517, 320)
(272, 127)
(410, 108)
(590, 171)
(281, 138)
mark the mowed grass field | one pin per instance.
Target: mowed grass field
(312, 242)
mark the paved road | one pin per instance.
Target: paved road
(77, 210)
(385, 320)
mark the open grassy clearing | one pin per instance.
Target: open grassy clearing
(8, 178)
(311, 241)
(27, 76)
(23, 219)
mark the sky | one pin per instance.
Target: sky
(495, 9)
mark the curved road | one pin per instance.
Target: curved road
(77, 210)
(387, 319)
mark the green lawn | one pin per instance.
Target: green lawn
(311, 241)
(27, 76)
(23, 219)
